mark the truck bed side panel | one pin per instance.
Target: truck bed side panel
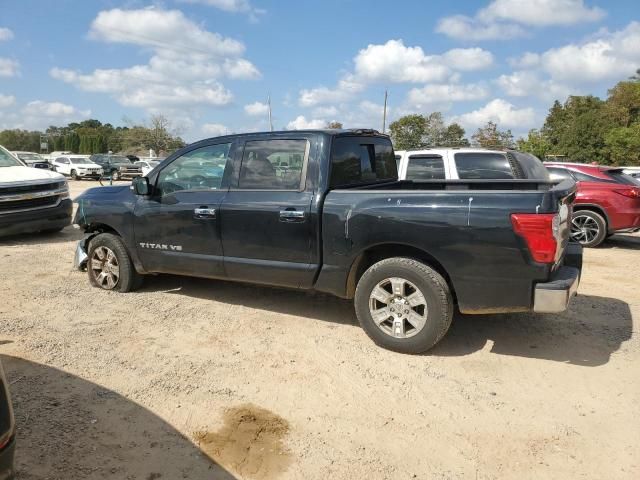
(468, 233)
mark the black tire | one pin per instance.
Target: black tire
(115, 175)
(55, 169)
(52, 230)
(436, 293)
(129, 279)
(74, 175)
(593, 220)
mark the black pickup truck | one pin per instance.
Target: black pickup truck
(324, 210)
(7, 431)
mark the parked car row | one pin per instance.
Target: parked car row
(607, 199)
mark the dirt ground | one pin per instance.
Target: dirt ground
(204, 379)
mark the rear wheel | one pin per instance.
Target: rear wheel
(403, 305)
(74, 175)
(109, 266)
(115, 175)
(588, 228)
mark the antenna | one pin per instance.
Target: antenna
(384, 112)
(270, 122)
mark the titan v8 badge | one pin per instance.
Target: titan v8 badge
(161, 246)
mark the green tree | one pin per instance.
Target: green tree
(58, 143)
(536, 143)
(623, 145)
(435, 130)
(408, 132)
(454, 136)
(490, 136)
(623, 103)
(72, 142)
(334, 125)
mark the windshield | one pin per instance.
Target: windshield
(30, 156)
(119, 159)
(7, 160)
(80, 161)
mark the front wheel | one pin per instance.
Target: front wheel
(74, 175)
(109, 266)
(403, 305)
(588, 228)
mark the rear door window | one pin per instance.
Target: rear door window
(623, 178)
(483, 165)
(273, 164)
(583, 177)
(425, 167)
(362, 160)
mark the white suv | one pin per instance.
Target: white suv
(77, 167)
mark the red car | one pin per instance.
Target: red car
(608, 201)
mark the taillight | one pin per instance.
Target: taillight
(629, 192)
(540, 231)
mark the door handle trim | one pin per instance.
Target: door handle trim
(292, 215)
(204, 213)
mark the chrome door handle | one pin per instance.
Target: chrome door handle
(292, 215)
(204, 212)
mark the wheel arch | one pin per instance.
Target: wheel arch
(592, 207)
(375, 253)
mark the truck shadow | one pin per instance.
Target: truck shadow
(69, 234)
(68, 427)
(629, 242)
(587, 334)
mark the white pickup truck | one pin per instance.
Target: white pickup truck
(459, 163)
(31, 199)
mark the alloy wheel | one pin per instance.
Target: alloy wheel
(584, 229)
(105, 268)
(398, 307)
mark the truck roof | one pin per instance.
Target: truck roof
(325, 131)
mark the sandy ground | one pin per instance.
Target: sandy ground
(205, 379)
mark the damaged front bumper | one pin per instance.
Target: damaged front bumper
(80, 256)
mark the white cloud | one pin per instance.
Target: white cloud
(301, 123)
(5, 34)
(541, 13)
(394, 62)
(38, 115)
(526, 60)
(330, 111)
(525, 83)
(607, 56)
(215, 129)
(7, 100)
(9, 67)
(466, 28)
(346, 88)
(468, 59)
(256, 108)
(505, 114)
(503, 19)
(445, 94)
(184, 70)
(232, 6)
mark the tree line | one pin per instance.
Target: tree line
(582, 129)
(92, 136)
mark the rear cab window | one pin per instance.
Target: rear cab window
(362, 160)
(483, 165)
(274, 164)
(425, 167)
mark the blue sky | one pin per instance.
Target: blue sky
(209, 65)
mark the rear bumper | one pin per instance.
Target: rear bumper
(36, 220)
(6, 460)
(555, 295)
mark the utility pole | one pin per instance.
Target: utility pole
(384, 112)
(270, 122)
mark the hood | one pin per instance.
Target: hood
(104, 192)
(27, 174)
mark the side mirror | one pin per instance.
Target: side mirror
(141, 186)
